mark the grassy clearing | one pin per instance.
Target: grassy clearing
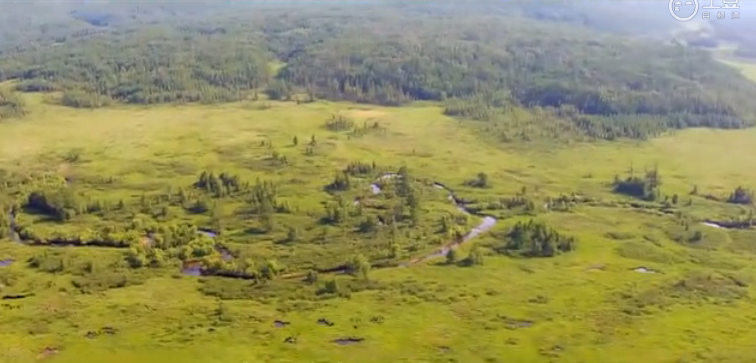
(584, 306)
(747, 67)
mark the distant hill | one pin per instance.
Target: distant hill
(482, 60)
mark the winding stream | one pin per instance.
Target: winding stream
(486, 224)
(195, 268)
(712, 225)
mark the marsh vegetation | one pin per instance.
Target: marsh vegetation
(283, 187)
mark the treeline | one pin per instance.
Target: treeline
(598, 86)
(153, 65)
(633, 89)
(11, 105)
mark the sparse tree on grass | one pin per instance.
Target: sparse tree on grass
(452, 257)
(360, 267)
(476, 255)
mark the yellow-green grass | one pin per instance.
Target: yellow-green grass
(151, 146)
(584, 305)
(748, 68)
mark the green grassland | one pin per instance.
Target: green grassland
(583, 306)
(748, 68)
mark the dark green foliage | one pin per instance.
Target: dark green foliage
(336, 214)
(450, 227)
(332, 287)
(278, 90)
(219, 186)
(571, 83)
(11, 105)
(292, 235)
(249, 269)
(106, 236)
(61, 205)
(403, 182)
(476, 256)
(472, 108)
(360, 169)
(609, 102)
(83, 99)
(359, 267)
(199, 206)
(312, 277)
(634, 88)
(153, 232)
(339, 123)
(35, 86)
(369, 224)
(264, 198)
(153, 64)
(646, 187)
(452, 257)
(480, 181)
(534, 239)
(741, 196)
(261, 197)
(341, 182)
(561, 204)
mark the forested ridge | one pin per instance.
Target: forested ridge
(479, 65)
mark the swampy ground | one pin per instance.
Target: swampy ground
(583, 306)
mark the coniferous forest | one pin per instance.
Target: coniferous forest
(600, 86)
(373, 182)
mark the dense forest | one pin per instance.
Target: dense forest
(599, 86)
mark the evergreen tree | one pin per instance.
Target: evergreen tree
(452, 257)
